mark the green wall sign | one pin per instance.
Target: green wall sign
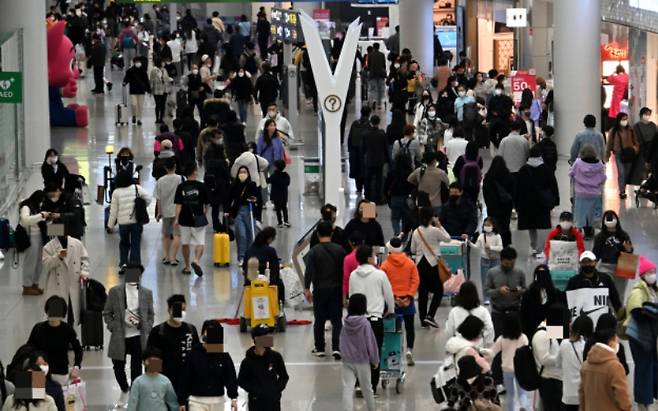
(11, 87)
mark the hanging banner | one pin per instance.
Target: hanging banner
(521, 80)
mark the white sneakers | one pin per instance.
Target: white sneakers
(410, 359)
(123, 400)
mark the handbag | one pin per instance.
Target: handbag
(444, 271)
(21, 239)
(454, 283)
(100, 195)
(140, 212)
(627, 265)
(443, 381)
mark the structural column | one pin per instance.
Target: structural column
(30, 16)
(535, 40)
(576, 45)
(416, 31)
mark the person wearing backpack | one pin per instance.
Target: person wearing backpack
(408, 147)
(249, 60)
(129, 315)
(355, 148)
(507, 343)
(468, 170)
(430, 181)
(571, 360)
(123, 210)
(546, 350)
(127, 44)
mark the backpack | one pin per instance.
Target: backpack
(96, 296)
(17, 363)
(250, 63)
(127, 41)
(403, 153)
(525, 368)
(470, 176)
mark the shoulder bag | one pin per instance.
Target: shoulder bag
(444, 271)
(140, 211)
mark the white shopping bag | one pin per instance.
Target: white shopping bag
(293, 287)
(563, 256)
(75, 396)
(589, 301)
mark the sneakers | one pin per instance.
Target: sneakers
(622, 196)
(122, 269)
(410, 359)
(336, 355)
(318, 353)
(287, 224)
(197, 269)
(281, 226)
(430, 321)
(123, 399)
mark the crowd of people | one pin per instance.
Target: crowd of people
(427, 165)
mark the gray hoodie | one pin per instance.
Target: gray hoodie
(374, 284)
(357, 341)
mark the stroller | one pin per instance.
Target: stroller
(649, 190)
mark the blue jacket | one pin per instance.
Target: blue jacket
(272, 151)
(588, 136)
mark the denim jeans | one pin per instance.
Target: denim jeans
(243, 109)
(243, 231)
(485, 265)
(623, 171)
(397, 207)
(129, 244)
(512, 389)
(645, 373)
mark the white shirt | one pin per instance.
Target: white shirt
(175, 47)
(458, 314)
(495, 243)
(571, 361)
(433, 237)
(455, 148)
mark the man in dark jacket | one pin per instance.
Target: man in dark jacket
(138, 85)
(97, 61)
(459, 216)
(548, 148)
(376, 75)
(234, 139)
(63, 208)
(328, 213)
(267, 88)
(324, 270)
(175, 338)
(498, 115)
(376, 155)
(263, 32)
(355, 147)
(263, 373)
(218, 106)
(212, 37)
(590, 277)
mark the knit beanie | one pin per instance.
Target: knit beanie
(646, 265)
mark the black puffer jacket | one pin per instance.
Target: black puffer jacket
(209, 374)
(264, 378)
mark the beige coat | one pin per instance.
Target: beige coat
(603, 385)
(64, 274)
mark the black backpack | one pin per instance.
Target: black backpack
(404, 154)
(470, 114)
(525, 367)
(250, 63)
(96, 296)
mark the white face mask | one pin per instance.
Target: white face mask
(483, 112)
(54, 199)
(462, 93)
(52, 160)
(498, 91)
(623, 123)
(487, 228)
(396, 65)
(455, 83)
(195, 72)
(181, 318)
(138, 64)
(44, 368)
(617, 347)
(471, 380)
(241, 74)
(646, 118)
(209, 64)
(242, 177)
(611, 223)
(431, 114)
(650, 278)
(566, 225)
(271, 114)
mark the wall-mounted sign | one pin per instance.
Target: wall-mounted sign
(285, 25)
(517, 17)
(614, 51)
(11, 87)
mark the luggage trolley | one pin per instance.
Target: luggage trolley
(456, 254)
(390, 361)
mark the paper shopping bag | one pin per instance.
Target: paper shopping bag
(627, 265)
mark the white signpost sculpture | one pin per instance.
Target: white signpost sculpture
(332, 93)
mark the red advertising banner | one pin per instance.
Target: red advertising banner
(322, 14)
(521, 80)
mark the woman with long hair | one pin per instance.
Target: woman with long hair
(498, 193)
(535, 301)
(623, 143)
(52, 169)
(609, 243)
(245, 200)
(270, 147)
(467, 302)
(369, 227)
(31, 218)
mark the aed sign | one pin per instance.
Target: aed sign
(11, 87)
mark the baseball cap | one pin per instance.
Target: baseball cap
(587, 255)
(204, 57)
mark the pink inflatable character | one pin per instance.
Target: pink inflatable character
(62, 76)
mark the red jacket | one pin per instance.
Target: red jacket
(580, 243)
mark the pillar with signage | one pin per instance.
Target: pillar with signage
(416, 31)
(332, 93)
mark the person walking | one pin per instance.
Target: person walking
(192, 201)
(160, 88)
(374, 284)
(536, 195)
(138, 85)
(375, 155)
(505, 287)
(360, 352)
(425, 242)
(30, 217)
(324, 263)
(129, 315)
(53, 170)
(403, 275)
(490, 244)
(355, 148)
(589, 277)
(369, 227)
(196, 92)
(217, 179)
(510, 340)
(165, 209)
(245, 198)
(127, 43)
(266, 88)
(123, 210)
(588, 176)
(514, 149)
(243, 91)
(623, 143)
(467, 302)
(97, 60)
(609, 243)
(498, 193)
(541, 294)
(590, 135)
(603, 383)
(619, 81)
(643, 340)
(153, 390)
(430, 181)
(376, 69)
(570, 360)
(280, 181)
(398, 192)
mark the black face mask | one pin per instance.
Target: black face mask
(454, 199)
(587, 269)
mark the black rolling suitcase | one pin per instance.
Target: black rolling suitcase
(92, 330)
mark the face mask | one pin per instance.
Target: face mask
(462, 93)
(566, 225)
(138, 64)
(396, 65)
(195, 71)
(623, 123)
(242, 177)
(454, 198)
(54, 199)
(498, 92)
(209, 64)
(426, 97)
(181, 318)
(431, 114)
(487, 228)
(650, 279)
(240, 74)
(271, 114)
(78, 12)
(611, 223)
(44, 368)
(52, 160)
(646, 118)
(483, 112)
(587, 269)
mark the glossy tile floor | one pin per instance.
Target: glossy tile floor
(315, 383)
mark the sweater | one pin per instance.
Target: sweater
(122, 208)
(514, 279)
(515, 150)
(545, 351)
(588, 178)
(54, 342)
(374, 284)
(357, 341)
(152, 392)
(433, 236)
(402, 274)
(609, 244)
(324, 266)
(495, 243)
(458, 314)
(603, 384)
(349, 265)
(570, 360)
(209, 374)
(508, 348)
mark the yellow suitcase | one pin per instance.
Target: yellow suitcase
(221, 249)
